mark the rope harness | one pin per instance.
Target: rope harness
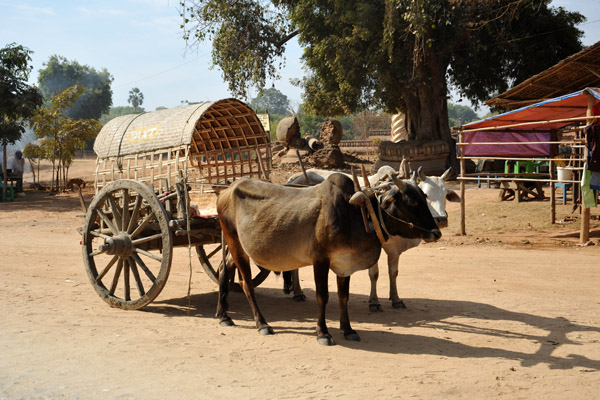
(377, 219)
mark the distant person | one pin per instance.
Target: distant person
(18, 165)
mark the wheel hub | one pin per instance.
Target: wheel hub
(119, 245)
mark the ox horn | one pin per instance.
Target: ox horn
(414, 176)
(421, 174)
(397, 181)
(446, 174)
(402, 168)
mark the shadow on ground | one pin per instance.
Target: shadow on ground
(440, 319)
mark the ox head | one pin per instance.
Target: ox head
(404, 210)
(437, 194)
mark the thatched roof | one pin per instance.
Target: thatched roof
(227, 123)
(574, 73)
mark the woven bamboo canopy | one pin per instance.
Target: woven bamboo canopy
(207, 124)
(574, 73)
(210, 142)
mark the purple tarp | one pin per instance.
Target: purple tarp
(508, 150)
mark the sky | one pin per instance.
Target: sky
(140, 43)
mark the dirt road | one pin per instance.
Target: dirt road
(484, 320)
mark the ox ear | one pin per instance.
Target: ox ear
(452, 196)
(446, 175)
(421, 174)
(358, 198)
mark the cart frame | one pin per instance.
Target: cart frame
(148, 168)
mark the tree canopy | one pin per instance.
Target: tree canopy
(18, 99)
(60, 73)
(272, 100)
(397, 55)
(118, 111)
(459, 115)
(61, 135)
(136, 98)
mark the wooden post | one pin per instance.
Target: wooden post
(302, 167)
(584, 235)
(462, 188)
(363, 208)
(552, 194)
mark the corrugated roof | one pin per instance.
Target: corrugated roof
(574, 73)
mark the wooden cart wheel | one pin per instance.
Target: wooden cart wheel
(213, 254)
(127, 244)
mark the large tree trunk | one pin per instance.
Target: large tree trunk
(426, 105)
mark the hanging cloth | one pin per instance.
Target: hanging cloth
(592, 155)
(588, 195)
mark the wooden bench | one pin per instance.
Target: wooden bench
(518, 190)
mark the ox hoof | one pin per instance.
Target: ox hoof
(226, 322)
(326, 340)
(267, 330)
(300, 297)
(398, 304)
(375, 308)
(352, 336)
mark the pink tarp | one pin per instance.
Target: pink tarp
(538, 115)
(509, 150)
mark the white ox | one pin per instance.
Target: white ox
(437, 194)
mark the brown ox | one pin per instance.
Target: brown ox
(284, 228)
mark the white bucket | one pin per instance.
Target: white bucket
(564, 173)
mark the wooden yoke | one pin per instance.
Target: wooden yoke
(363, 209)
(364, 174)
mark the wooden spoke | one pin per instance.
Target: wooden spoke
(136, 276)
(215, 251)
(107, 268)
(99, 234)
(141, 226)
(144, 268)
(125, 216)
(117, 218)
(126, 280)
(115, 280)
(147, 254)
(95, 253)
(146, 239)
(108, 222)
(134, 213)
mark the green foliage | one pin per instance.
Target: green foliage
(460, 115)
(62, 135)
(136, 98)
(35, 152)
(397, 55)
(18, 100)
(273, 101)
(119, 111)
(59, 74)
(248, 38)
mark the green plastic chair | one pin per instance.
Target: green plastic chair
(7, 193)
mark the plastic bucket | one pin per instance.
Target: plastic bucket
(564, 173)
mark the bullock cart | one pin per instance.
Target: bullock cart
(156, 174)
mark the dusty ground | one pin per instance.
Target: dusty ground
(511, 311)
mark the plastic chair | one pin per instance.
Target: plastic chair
(564, 186)
(7, 193)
